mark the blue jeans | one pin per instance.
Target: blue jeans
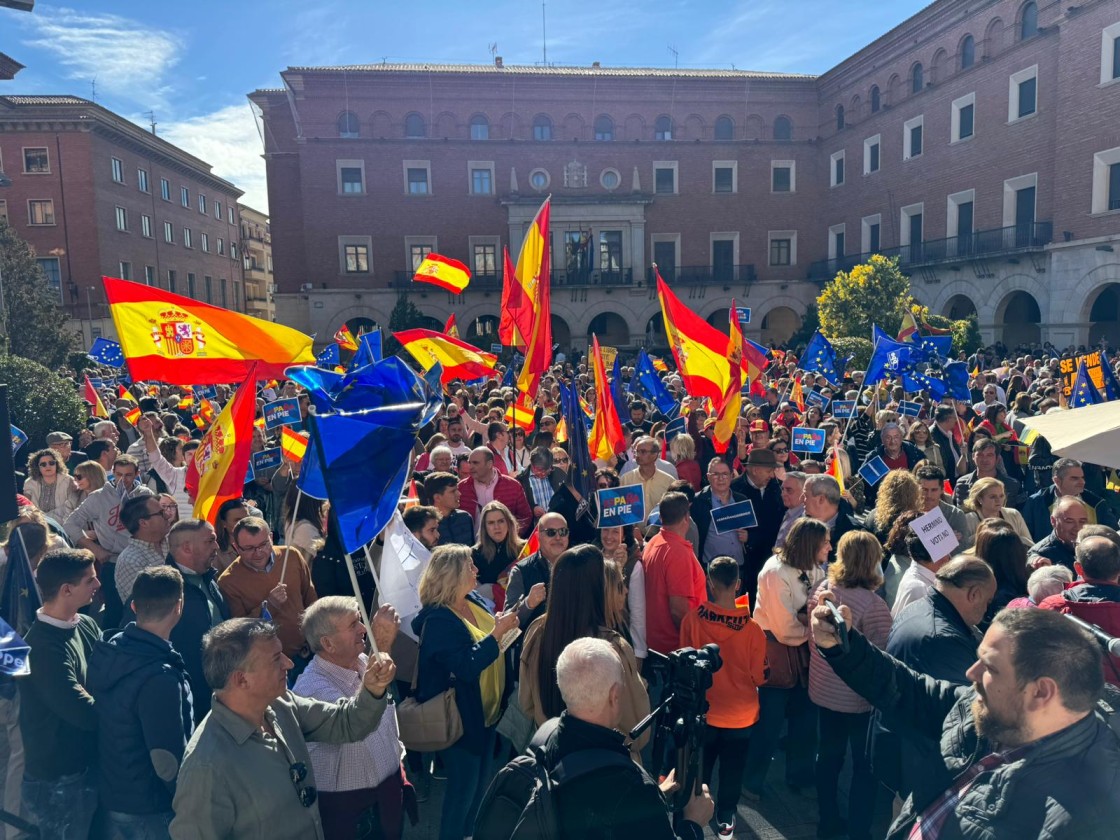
(63, 808)
(468, 774)
(138, 826)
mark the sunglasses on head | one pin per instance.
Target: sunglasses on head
(555, 532)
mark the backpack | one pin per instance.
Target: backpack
(520, 803)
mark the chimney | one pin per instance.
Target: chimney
(497, 61)
(595, 65)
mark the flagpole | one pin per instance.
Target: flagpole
(292, 529)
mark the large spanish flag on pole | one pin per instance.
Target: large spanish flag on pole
(727, 418)
(699, 348)
(217, 471)
(606, 439)
(533, 276)
(517, 315)
(183, 341)
(459, 359)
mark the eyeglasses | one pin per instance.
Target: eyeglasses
(150, 515)
(778, 450)
(307, 795)
(255, 549)
(562, 460)
(48, 464)
(554, 532)
(647, 451)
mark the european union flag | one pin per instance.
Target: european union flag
(646, 383)
(956, 377)
(369, 350)
(1084, 391)
(890, 356)
(19, 596)
(329, 358)
(820, 356)
(106, 352)
(509, 377)
(1111, 385)
(582, 470)
(14, 652)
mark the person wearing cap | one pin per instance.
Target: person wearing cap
(63, 445)
(760, 435)
(759, 485)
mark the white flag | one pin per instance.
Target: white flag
(403, 561)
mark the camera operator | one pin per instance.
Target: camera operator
(1022, 751)
(618, 800)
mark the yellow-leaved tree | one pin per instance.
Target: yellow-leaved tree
(874, 292)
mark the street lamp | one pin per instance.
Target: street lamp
(89, 311)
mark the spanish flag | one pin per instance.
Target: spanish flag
(521, 414)
(180, 340)
(836, 469)
(293, 444)
(451, 328)
(459, 359)
(797, 395)
(90, 395)
(345, 339)
(909, 329)
(660, 366)
(606, 439)
(185, 402)
(699, 349)
(450, 275)
(124, 395)
(217, 470)
(532, 275)
(206, 410)
(517, 315)
(727, 419)
(133, 414)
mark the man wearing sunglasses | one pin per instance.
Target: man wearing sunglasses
(247, 772)
(552, 532)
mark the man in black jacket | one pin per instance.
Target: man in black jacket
(897, 454)
(143, 709)
(717, 494)
(758, 484)
(1068, 480)
(1023, 751)
(944, 425)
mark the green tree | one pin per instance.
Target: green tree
(40, 401)
(855, 346)
(405, 316)
(34, 324)
(874, 292)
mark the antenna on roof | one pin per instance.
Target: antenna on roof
(93, 89)
(676, 57)
(544, 36)
(152, 120)
(493, 48)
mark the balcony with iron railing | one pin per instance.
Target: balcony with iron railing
(686, 275)
(981, 244)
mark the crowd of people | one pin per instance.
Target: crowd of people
(191, 679)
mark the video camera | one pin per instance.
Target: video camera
(682, 716)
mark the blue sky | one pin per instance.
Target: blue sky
(192, 63)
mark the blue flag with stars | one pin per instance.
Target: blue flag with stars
(19, 596)
(646, 383)
(329, 358)
(819, 356)
(106, 352)
(956, 377)
(1084, 391)
(1111, 385)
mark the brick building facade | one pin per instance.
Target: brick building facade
(94, 194)
(977, 141)
(256, 256)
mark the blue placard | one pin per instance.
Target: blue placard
(266, 460)
(743, 313)
(909, 408)
(843, 409)
(733, 517)
(806, 439)
(283, 412)
(677, 426)
(496, 349)
(19, 438)
(208, 392)
(621, 506)
(873, 471)
(817, 398)
(250, 475)
(96, 382)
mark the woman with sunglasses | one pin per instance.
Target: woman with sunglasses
(48, 485)
(88, 476)
(786, 459)
(520, 450)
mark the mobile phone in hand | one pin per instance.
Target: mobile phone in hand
(840, 624)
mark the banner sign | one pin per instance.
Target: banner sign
(496, 349)
(873, 471)
(733, 517)
(621, 506)
(743, 313)
(208, 392)
(283, 412)
(1068, 369)
(843, 409)
(935, 533)
(19, 438)
(806, 439)
(266, 460)
(609, 355)
(908, 408)
(816, 398)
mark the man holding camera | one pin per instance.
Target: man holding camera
(1023, 751)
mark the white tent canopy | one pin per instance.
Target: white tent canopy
(1090, 434)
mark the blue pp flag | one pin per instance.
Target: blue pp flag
(646, 383)
(1084, 391)
(873, 471)
(890, 357)
(508, 376)
(14, 652)
(106, 352)
(19, 438)
(582, 470)
(820, 357)
(330, 358)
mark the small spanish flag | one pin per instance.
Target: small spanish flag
(451, 328)
(660, 366)
(186, 402)
(90, 395)
(836, 469)
(259, 423)
(198, 422)
(293, 444)
(133, 414)
(521, 413)
(345, 339)
(797, 396)
(450, 275)
(153, 390)
(206, 410)
(124, 394)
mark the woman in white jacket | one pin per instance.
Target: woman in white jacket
(49, 485)
(166, 458)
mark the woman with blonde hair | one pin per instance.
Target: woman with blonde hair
(88, 476)
(899, 492)
(48, 485)
(986, 500)
(496, 549)
(844, 715)
(918, 434)
(459, 645)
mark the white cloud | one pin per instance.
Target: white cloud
(127, 58)
(228, 140)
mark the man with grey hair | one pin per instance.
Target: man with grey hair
(897, 454)
(822, 500)
(441, 459)
(1068, 479)
(655, 483)
(353, 778)
(1097, 563)
(247, 772)
(617, 798)
(1043, 582)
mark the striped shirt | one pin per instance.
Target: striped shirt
(931, 821)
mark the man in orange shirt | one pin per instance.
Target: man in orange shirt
(733, 697)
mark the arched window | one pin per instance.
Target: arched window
(839, 117)
(724, 128)
(968, 52)
(542, 127)
(917, 78)
(874, 97)
(783, 128)
(480, 127)
(1028, 22)
(663, 128)
(348, 126)
(604, 128)
(414, 126)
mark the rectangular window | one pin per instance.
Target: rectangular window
(837, 175)
(221, 246)
(664, 181)
(482, 182)
(122, 219)
(417, 181)
(164, 189)
(168, 233)
(1114, 186)
(780, 251)
(188, 239)
(170, 280)
(963, 118)
(357, 259)
(233, 250)
(150, 275)
(142, 180)
(836, 244)
(1028, 90)
(202, 203)
(1106, 181)
(911, 232)
(871, 155)
(229, 211)
(208, 284)
(783, 176)
(145, 226)
(52, 268)
(966, 121)
(190, 285)
(125, 270)
(418, 252)
(1116, 57)
(217, 210)
(485, 259)
(723, 177)
(1022, 94)
(610, 250)
(118, 170)
(222, 287)
(236, 296)
(912, 138)
(40, 211)
(185, 196)
(205, 242)
(36, 161)
(351, 179)
(873, 236)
